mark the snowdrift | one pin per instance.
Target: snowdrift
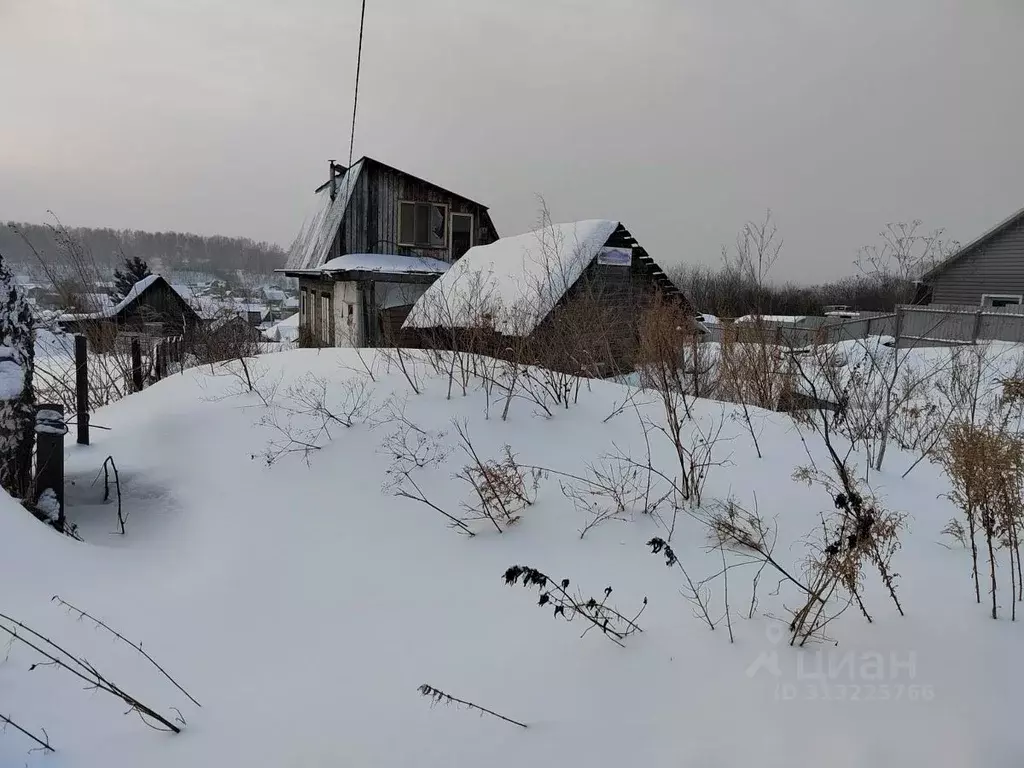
(302, 605)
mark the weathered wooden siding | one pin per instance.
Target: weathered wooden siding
(612, 298)
(370, 224)
(311, 324)
(159, 304)
(993, 267)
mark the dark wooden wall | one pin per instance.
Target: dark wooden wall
(370, 224)
(159, 304)
(310, 324)
(610, 299)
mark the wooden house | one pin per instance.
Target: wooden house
(373, 228)
(151, 308)
(573, 293)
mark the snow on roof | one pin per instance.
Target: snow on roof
(385, 262)
(115, 309)
(96, 302)
(249, 307)
(286, 330)
(778, 319)
(318, 230)
(207, 308)
(274, 294)
(517, 281)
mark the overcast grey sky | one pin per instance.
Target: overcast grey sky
(682, 118)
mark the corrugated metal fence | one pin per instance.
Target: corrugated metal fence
(928, 326)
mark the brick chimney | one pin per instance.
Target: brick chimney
(334, 184)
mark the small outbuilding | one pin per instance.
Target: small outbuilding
(152, 308)
(574, 292)
(360, 299)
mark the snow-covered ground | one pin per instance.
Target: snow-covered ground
(303, 606)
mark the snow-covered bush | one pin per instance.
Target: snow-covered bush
(17, 397)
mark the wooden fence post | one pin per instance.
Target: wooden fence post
(50, 431)
(158, 364)
(136, 365)
(899, 326)
(82, 388)
(977, 326)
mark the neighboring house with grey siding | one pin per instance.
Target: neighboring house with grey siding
(987, 272)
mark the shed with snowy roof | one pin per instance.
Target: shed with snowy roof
(579, 287)
(151, 307)
(360, 299)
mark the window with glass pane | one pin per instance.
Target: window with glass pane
(462, 234)
(422, 225)
(407, 223)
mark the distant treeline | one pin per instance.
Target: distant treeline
(725, 293)
(169, 251)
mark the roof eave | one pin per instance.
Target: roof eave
(975, 243)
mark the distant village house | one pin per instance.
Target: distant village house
(151, 308)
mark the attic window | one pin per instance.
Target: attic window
(422, 225)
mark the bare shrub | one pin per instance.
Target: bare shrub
(748, 535)
(502, 488)
(697, 593)
(612, 488)
(857, 532)
(314, 408)
(664, 327)
(413, 449)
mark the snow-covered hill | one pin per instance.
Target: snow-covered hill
(302, 604)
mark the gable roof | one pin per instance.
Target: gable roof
(517, 281)
(113, 310)
(311, 247)
(976, 243)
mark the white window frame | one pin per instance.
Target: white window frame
(1010, 299)
(451, 228)
(446, 245)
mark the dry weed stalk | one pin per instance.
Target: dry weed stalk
(56, 656)
(612, 624)
(43, 742)
(985, 465)
(437, 696)
(135, 646)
